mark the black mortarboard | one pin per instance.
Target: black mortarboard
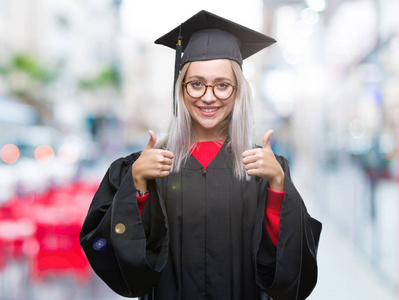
(206, 36)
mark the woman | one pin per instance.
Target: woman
(204, 215)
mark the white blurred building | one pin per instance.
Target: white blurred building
(78, 37)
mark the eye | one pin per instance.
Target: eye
(223, 85)
(196, 84)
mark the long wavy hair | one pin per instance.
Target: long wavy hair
(237, 127)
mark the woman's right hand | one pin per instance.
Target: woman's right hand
(152, 163)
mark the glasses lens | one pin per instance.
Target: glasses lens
(196, 89)
(223, 90)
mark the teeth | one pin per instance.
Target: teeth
(209, 110)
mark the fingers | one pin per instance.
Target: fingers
(250, 152)
(162, 156)
(254, 172)
(161, 162)
(152, 162)
(166, 161)
(167, 154)
(260, 161)
(253, 160)
(156, 162)
(151, 145)
(152, 141)
(163, 174)
(249, 158)
(163, 169)
(266, 144)
(266, 139)
(252, 166)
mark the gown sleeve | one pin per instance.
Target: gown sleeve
(290, 270)
(126, 250)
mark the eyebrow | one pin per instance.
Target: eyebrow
(218, 79)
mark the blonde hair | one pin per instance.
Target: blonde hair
(237, 127)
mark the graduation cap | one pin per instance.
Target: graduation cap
(206, 36)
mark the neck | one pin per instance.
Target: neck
(205, 135)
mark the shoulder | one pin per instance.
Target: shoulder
(281, 159)
(120, 167)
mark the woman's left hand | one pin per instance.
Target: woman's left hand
(262, 162)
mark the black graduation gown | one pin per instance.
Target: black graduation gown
(201, 235)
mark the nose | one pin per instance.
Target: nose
(208, 96)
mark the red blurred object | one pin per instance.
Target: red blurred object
(13, 235)
(44, 229)
(59, 252)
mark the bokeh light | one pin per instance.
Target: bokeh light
(68, 153)
(99, 244)
(310, 16)
(44, 154)
(317, 5)
(9, 153)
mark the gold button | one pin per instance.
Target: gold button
(120, 228)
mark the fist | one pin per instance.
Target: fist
(152, 163)
(262, 162)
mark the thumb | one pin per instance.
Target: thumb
(266, 139)
(152, 141)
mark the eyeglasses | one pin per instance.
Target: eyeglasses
(221, 90)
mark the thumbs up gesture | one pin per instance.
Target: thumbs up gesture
(152, 163)
(262, 162)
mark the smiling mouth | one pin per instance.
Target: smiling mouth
(209, 110)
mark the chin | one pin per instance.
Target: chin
(209, 126)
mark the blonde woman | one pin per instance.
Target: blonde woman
(204, 214)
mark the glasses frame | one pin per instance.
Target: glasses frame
(206, 88)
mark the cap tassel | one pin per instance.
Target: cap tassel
(177, 68)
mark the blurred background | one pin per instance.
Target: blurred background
(81, 83)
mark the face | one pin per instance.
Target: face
(208, 112)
